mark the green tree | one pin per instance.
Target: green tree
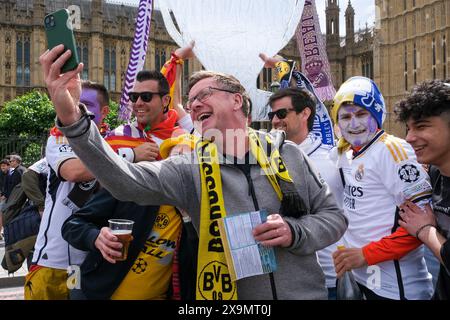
(112, 119)
(31, 114)
(25, 123)
(24, 126)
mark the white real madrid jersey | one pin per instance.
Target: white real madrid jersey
(378, 178)
(51, 250)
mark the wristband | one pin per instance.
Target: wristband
(86, 116)
(176, 59)
(423, 227)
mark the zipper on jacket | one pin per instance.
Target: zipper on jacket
(246, 170)
(251, 189)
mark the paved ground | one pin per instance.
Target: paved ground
(11, 286)
(14, 293)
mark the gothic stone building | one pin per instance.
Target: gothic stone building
(411, 45)
(350, 55)
(407, 45)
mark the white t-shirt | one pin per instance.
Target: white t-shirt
(40, 167)
(378, 178)
(51, 250)
(324, 158)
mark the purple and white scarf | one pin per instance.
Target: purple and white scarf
(137, 55)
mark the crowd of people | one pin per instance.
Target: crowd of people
(175, 171)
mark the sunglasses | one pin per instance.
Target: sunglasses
(280, 113)
(146, 96)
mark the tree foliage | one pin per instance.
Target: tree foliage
(31, 114)
(25, 123)
(112, 119)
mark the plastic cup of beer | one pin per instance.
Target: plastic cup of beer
(122, 229)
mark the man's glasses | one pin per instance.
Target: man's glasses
(146, 96)
(204, 94)
(280, 113)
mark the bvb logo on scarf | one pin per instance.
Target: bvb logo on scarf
(213, 277)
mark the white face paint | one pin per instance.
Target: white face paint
(357, 125)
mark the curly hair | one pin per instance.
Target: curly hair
(428, 99)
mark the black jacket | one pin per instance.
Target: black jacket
(12, 180)
(99, 278)
(441, 208)
(2, 182)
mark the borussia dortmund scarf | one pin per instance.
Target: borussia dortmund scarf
(213, 277)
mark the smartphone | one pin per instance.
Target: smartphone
(59, 30)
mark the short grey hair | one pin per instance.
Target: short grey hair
(226, 81)
(15, 157)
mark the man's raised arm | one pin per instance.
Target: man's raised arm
(145, 183)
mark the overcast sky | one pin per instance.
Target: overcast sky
(364, 12)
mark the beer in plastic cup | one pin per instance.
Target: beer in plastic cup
(122, 229)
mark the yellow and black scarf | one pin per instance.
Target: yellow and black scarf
(213, 277)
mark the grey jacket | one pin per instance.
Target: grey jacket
(176, 181)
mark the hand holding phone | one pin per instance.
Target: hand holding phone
(59, 30)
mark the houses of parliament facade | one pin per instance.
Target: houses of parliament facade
(408, 44)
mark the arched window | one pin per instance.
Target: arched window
(267, 78)
(109, 75)
(19, 59)
(85, 62)
(106, 64)
(113, 81)
(163, 58)
(157, 60)
(415, 63)
(23, 60)
(83, 55)
(113, 70)
(444, 57)
(19, 75)
(405, 72)
(186, 75)
(433, 66)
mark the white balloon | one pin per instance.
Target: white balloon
(229, 35)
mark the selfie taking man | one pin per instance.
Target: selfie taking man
(303, 216)
(148, 271)
(380, 173)
(88, 228)
(69, 186)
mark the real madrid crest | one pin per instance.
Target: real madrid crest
(359, 173)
